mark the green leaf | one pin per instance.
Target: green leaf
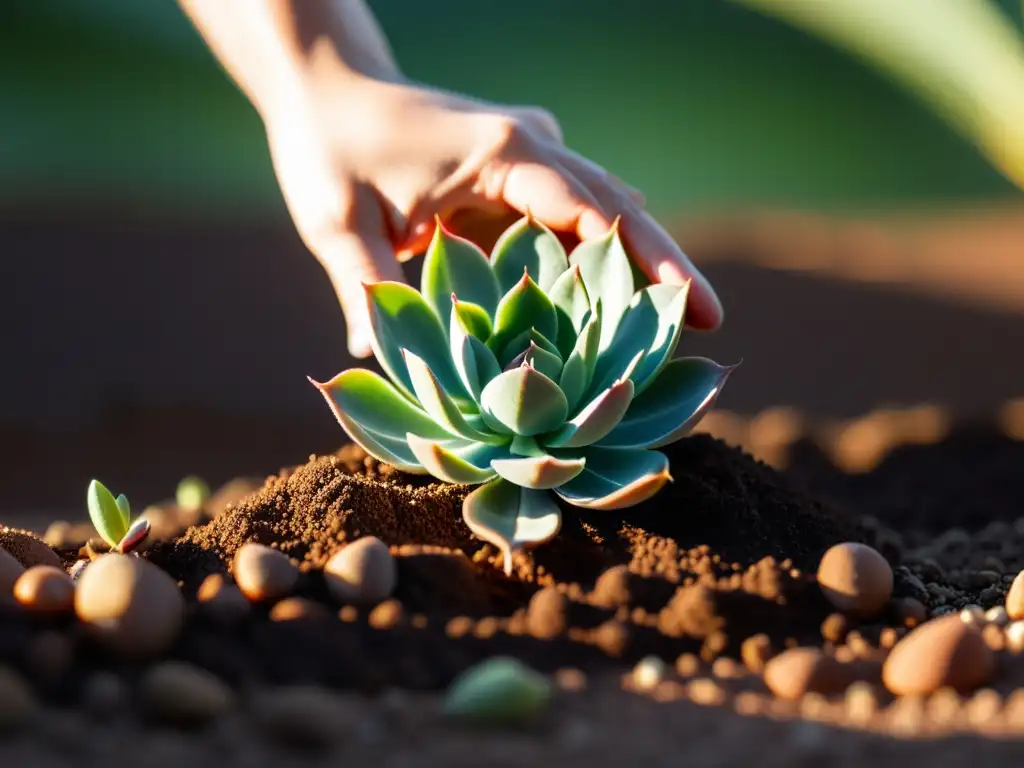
(539, 359)
(520, 343)
(596, 420)
(528, 245)
(473, 318)
(671, 318)
(616, 478)
(607, 275)
(578, 370)
(466, 464)
(510, 517)
(498, 691)
(125, 508)
(377, 417)
(191, 493)
(455, 265)
(402, 319)
(439, 406)
(524, 307)
(474, 362)
(572, 307)
(538, 472)
(523, 401)
(105, 513)
(134, 536)
(672, 405)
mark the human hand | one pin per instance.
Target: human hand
(365, 165)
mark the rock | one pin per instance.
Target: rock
(1015, 598)
(387, 615)
(798, 671)
(547, 614)
(911, 611)
(221, 601)
(262, 573)
(10, 571)
(302, 716)
(612, 588)
(648, 672)
(613, 638)
(298, 608)
(944, 652)
(856, 579)
(756, 651)
(183, 694)
(130, 605)
(17, 702)
(362, 572)
(27, 548)
(45, 589)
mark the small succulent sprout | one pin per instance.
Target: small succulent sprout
(111, 517)
(498, 691)
(192, 493)
(533, 374)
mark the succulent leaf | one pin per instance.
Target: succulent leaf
(474, 362)
(608, 277)
(672, 405)
(671, 318)
(523, 401)
(439, 406)
(528, 245)
(401, 319)
(572, 307)
(473, 318)
(134, 536)
(538, 357)
(465, 464)
(510, 517)
(616, 478)
(520, 343)
(538, 472)
(579, 365)
(498, 691)
(105, 513)
(456, 265)
(596, 420)
(125, 509)
(523, 308)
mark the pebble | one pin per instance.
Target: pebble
(387, 615)
(973, 615)
(613, 638)
(648, 672)
(1015, 636)
(298, 608)
(222, 601)
(612, 588)
(798, 671)
(1015, 598)
(17, 702)
(28, 549)
(856, 579)
(941, 652)
(547, 614)
(45, 589)
(10, 570)
(911, 611)
(756, 651)
(362, 572)
(305, 717)
(262, 573)
(130, 605)
(183, 694)
(861, 702)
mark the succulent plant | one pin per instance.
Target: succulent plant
(528, 372)
(112, 519)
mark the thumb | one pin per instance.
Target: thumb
(351, 259)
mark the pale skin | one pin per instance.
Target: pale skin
(367, 159)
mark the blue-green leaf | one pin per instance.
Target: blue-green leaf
(578, 370)
(466, 464)
(596, 420)
(528, 245)
(498, 691)
(439, 406)
(608, 277)
(672, 405)
(671, 318)
(616, 478)
(474, 362)
(524, 307)
(572, 307)
(540, 359)
(523, 401)
(473, 318)
(456, 265)
(401, 319)
(105, 513)
(520, 343)
(538, 472)
(511, 517)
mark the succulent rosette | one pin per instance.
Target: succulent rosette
(528, 373)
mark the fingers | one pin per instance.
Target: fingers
(555, 197)
(595, 177)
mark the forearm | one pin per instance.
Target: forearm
(269, 46)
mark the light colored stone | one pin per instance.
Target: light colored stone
(362, 572)
(941, 652)
(1015, 598)
(798, 671)
(10, 570)
(1015, 636)
(45, 589)
(997, 616)
(183, 694)
(130, 605)
(856, 579)
(648, 672)
(262, 573)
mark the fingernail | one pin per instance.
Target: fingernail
(359, 342)
(704, 310)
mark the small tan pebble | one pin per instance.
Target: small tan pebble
(814, 706)
(705, 692)
(50, 655)
(17, 701)
(941, 652)
(305, 717)
(1013, 709)
(570, 679)
(612, 588)
(997, 616)
(221, 600)
(58, 534)
(749, 703)
(944, 706)
(845, 655)
(648, 672)
(856, 579)
(994, 637)
(1015, 598)
(298, 608)
(1015, 636)
(387, 615)
(130, 605)
(725, 668)
(984, 707)
(906, 716)
(104, 694)
(973, 614)
(798, 671)
(183, 694)
(861, 702)
(888, 637)
(362, 572)
(263, 573)
(756, 651)
(834, 627)
(613, 638)
(45, 589)
(547, 614)
(349, 614)
(688, 664)
(862, 649)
